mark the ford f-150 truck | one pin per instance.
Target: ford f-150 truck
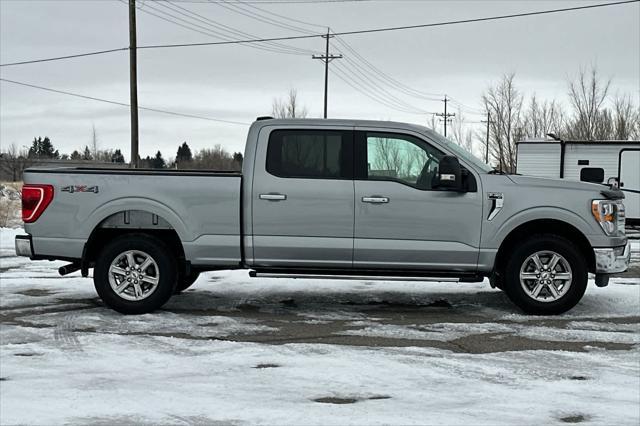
(331, 198)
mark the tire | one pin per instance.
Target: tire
(139, 292)
(525, 276)
(186, 281)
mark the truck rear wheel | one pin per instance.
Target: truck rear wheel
(546, 275)
(135, 274)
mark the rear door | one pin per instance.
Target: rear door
(302, 198)
(400, 221)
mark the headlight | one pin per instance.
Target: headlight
(610, 215)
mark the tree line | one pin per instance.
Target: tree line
(591, 112)
(15, 159)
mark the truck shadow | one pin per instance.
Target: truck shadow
(200, 301)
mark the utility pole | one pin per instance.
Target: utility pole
(326, 58)
(445, 116)
(486, 145)
(133, 83)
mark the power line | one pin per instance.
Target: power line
(212, 28)
(384, 78)
(345, 33)
(277, 47)
(242, 11)
(404, 27)
(92, 98)
(58, 58)
(372, 86)
(371, 94)
(367, 70)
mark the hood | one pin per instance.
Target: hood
(557, 183)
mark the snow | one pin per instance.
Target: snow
(65, 359)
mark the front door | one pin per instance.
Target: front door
(302, 198)
(400, 220)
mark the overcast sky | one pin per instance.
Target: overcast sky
(238, 83)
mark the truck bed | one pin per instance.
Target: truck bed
(202, 207)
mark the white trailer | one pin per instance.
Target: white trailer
(586, 161)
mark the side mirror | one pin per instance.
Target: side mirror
(449, 175)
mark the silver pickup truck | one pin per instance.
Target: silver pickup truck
(331, 198)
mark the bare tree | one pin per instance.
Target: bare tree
(216, 159)
(626, 118)
(94, 143)
(460, 134)
(289, 107)
(542, 118)
(587, 93)
(432, 122)
(504, 102)
(17, 160)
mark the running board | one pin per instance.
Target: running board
(369, 275)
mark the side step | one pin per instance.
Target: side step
(364, 275)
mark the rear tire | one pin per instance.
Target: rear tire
(546, 275)
(186, 281)
(135, 274)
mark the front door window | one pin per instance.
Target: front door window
(401, 158)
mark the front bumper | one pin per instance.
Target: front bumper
(24, 246)
(612, 260)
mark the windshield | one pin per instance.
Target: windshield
(458, 151)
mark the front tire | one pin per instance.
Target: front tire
(546, 275)
(135, 274)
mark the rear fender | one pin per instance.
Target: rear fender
(143, 204)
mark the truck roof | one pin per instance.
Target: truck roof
(263, 121)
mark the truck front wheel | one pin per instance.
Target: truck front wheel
(546, 275)
(135, 274)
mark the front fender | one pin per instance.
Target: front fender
(496, 233)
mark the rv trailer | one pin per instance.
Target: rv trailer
(595, 162)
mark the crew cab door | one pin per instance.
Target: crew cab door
(401, 222)
(302, 198)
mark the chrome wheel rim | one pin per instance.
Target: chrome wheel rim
(545, 276)
(134, 275)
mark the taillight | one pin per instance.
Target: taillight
(35, 199)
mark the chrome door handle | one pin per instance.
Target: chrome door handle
(375, 200)
(272, 197)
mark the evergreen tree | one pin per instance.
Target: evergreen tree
(117, 157)
(42, 148)
(184, 153)
(237, 157)
(158, 162)
(75, 155)
(87, 154)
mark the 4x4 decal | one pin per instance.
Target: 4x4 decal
(80, 188)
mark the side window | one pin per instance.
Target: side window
(402, 158)
(592, 174)
(309, 154)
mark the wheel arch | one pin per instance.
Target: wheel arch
(544, 226)
(131, 221)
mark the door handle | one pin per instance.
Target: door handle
(272, 197)
(375, 200)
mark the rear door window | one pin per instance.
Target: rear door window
(315, 154)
